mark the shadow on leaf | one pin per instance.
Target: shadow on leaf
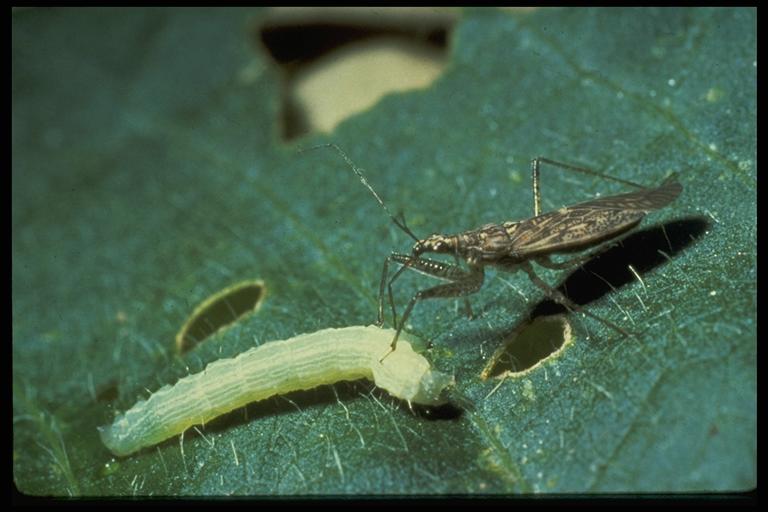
(610, 270)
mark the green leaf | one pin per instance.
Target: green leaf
(147, 176)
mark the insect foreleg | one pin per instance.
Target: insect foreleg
(390, 294)
(463, 282)
(558, 297)
(384, 284)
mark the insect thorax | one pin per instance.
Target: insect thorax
(490, 242)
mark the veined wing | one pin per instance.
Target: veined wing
(585, 224)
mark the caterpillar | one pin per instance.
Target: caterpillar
(303, 362)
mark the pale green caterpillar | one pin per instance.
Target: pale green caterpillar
(302, 362)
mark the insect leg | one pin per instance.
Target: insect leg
(536, 164)
(467, 305)
(463, 282)
(470, 285)
(565, 301)
(432, 268)
(382, 284)
(391, 295)
(545, 262)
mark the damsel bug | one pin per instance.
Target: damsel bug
(512, 245)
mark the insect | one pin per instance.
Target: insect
(512, 245)
(274, 368)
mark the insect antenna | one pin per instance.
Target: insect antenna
(398, 220)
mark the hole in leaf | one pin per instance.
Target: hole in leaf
(528, 345)
(219, 311)
(338, 62)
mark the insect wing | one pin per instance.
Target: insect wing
(642, 200)
(585, 224)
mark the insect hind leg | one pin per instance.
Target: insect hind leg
(535, 172)
(546, 262)
(558, 297)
